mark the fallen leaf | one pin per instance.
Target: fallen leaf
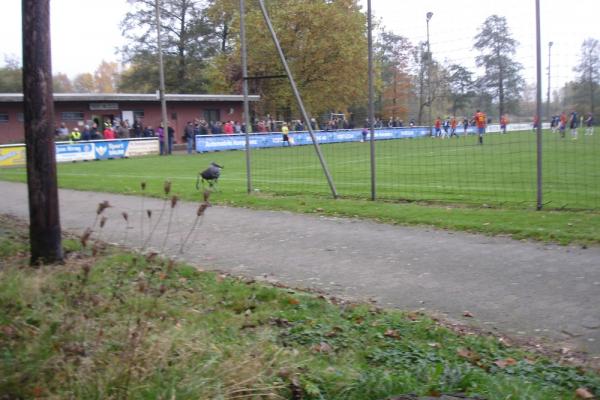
(468, 354)
(334, 331)
(507, 362)
(322, 347)
(38, 391)
(392, 333)
(293, 301)
(413, 315)
(468, 314)
(583, 393)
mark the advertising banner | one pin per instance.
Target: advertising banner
(12, 156)
(142, 147)
(66, 152)
(205, 143)
(105, 149)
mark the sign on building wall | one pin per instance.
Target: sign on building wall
(104, 106)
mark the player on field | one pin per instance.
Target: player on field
(562, 124)
(453, 124)
(589, 125)
(481, 121)
(438, 127)
(573, 125)
(503, 123)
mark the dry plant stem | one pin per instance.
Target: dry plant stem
(142, 212)
(162, 211)
(102, 223)
(192, 230)
(173, 205)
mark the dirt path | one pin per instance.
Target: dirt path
(514, 287)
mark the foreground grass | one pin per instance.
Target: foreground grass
(124, 176)
(121, 325)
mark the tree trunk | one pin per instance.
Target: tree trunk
(501, 97)
(224, 37)
(44, 220)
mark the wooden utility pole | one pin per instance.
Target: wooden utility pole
(44, 219)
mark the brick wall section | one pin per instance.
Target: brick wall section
(12, 131)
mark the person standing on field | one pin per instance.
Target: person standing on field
(589, 125)
(285, 132)
(562, 125)
(438, 127)
(453, 124)
(573, 125)
(503, 123)
(480, 122)
(189, 135)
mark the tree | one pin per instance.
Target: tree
(84, 83)
(502, 78)
(11, 76)
(222, 14)
(187, 42)
(395, 53)
(61, 83)
(325, 45)
(589, 72)
(107, 77)
(460, 87)
(429, 80)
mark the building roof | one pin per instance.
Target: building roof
(18, 97)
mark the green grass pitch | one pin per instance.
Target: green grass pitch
(500, 173)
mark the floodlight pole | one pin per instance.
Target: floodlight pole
(163, 102)
(38, 110)
(538, 105)
(371, 103)
(298, 99)
(248, 129)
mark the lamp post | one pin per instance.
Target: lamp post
(548, 97)
(429, 100)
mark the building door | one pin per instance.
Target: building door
(107, 118)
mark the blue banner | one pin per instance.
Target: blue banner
(206, 143)
(105, 149)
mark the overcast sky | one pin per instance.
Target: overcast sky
(85, 32)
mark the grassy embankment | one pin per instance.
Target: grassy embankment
(111, 324)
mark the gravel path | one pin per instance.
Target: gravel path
(512, 287)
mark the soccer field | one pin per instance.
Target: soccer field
(502, 172)
(457, 170)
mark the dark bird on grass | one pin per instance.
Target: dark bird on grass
(210, 175)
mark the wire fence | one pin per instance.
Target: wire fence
(454, 170)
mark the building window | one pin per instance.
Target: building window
(212, 115)
(20, 117)
(138, 114)
(71, 116)
(3, 118)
